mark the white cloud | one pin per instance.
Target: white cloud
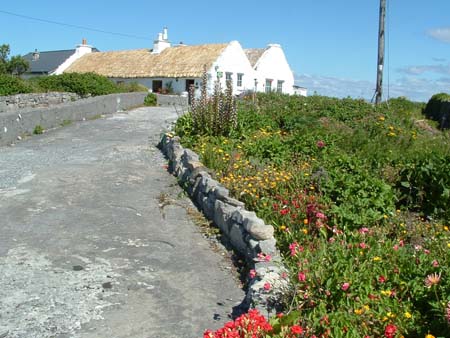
(412, 87)
(418, 70)
(441, 34)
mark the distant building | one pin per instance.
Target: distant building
(54, 62)
(272, 71)
(168, 68)
(302, 91)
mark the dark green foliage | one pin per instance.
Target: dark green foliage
(17, 65)
(151, 100)
(438, 109)
(82, 84)
(38, 130)
(11, 85)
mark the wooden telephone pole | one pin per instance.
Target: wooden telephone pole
(379, 90)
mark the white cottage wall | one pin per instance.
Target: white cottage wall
(232, 60)
(274, 66)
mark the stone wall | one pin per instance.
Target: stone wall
(20, 123)
(35, 100)
(173, 100)
(247, 233)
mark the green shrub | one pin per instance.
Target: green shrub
(131, 87)
(38, 130)
(11, 85)
(82, 84)
(151, 100)
(438, 109)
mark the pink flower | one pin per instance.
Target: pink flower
(395, 247)
(264, 257)
(382, 279)
(345, 286)
(363, 230)
(320, 215)
(267, 286)
(293, 248)
(301, 276)
(363, 245)
(426, 251)
(252, 273)
(320, 144)
(401, 243)
(435, 263)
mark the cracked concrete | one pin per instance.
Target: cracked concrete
(84, 248)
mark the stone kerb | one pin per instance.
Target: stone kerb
(247, 233)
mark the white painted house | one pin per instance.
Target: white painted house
(272, 71)
(54, 62)
(174, 69)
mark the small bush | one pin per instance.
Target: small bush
(150, 100)
(11, 85)
(38, 130)
(82, 84)
(438, 109)
(131, 87)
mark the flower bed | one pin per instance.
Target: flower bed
(358, 196)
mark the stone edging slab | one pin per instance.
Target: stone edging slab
(247, 233)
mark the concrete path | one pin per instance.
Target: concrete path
(95, 239)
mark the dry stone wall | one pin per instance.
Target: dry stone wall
(36, 100)
(247, 233)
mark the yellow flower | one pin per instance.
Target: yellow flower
(429, 336)
(305, 231)
(283, 227)
(390, 315)
(377, 259)
(448, 245)
(445, 227)
(359, 311)
(386, 292)
(305, 221)
(381, 118)
(407, 315)
(367, 307)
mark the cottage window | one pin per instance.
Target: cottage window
(280, 86)
(268, 85)
(228, 77)
(239, 79)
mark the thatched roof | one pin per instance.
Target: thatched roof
(254, 54)
(179, 61)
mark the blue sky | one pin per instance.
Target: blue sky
(331, 45)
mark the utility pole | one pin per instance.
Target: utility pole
(379, 90)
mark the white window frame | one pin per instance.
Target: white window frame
(280, 86)
(228, 77)
(268, 88)
(239, 79)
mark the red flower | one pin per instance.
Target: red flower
(252, 273)
(267, 286)
(284, 211)
(320, 144)
(389, 331)
(382, 279)
(296, 329)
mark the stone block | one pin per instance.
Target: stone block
(250, 220)
(221, 192)
(237, 238)
(222, 216)
(268, 246)
(261, 232)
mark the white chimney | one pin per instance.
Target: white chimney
(161, 43)
(84, 48)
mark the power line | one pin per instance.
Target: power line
(74, 26)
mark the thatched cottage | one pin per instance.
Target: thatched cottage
(176, 68)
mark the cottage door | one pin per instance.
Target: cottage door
(189, 83)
